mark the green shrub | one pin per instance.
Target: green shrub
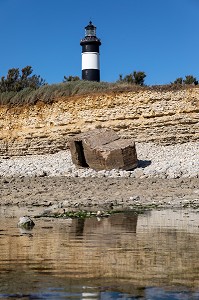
(134, 78)
(189, 79)
(16, 81)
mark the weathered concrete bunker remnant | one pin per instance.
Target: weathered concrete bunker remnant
(103, 149)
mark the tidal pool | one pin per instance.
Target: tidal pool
(154, 255)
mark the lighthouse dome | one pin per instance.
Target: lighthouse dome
(90, 30)
(90, 35)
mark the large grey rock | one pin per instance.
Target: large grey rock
(102, 149)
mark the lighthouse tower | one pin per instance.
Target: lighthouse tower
(90, 54)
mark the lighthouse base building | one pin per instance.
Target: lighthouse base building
(90, 54)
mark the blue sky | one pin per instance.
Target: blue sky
(159, 37)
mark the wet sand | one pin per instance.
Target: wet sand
(59, 193)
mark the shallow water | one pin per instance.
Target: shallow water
(154, 255)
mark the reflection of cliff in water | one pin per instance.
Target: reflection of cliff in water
(126, 222)
(124, 249)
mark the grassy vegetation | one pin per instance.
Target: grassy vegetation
(49, 93)
(84, 214)
(81, 214)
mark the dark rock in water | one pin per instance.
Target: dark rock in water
(102, 149)
(26, 222)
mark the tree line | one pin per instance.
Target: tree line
(17, 80)
(138, 78)
(134, 78)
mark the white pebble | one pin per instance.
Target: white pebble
(173, 161)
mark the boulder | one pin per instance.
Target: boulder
(26, 222)
(102, 149)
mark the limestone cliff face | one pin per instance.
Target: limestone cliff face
(145, 115)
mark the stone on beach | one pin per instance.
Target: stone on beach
(26, 222)
(102, 149)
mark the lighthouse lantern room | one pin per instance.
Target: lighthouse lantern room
(90, 54)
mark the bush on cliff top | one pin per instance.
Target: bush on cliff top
(16, 81)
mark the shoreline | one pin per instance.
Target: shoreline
(166, 177)
(59, 194)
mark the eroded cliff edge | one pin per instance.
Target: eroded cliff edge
(160, 116)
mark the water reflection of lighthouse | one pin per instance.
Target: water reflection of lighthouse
(90, 54)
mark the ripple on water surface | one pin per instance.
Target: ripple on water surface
(154, 255)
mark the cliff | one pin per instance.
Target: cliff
(160, 116)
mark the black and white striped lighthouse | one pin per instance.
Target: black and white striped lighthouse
(90, 54)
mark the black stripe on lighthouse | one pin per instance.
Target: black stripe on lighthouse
(91, 74)
(90, 54)
(90, 48)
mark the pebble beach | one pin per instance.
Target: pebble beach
(173, 161)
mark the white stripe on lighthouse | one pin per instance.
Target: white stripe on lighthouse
(90, 60)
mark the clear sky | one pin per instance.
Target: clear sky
(159, 37)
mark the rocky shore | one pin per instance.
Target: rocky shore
(167, 176)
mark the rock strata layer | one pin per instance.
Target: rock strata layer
(163, 117)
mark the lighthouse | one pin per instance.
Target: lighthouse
(90, 54)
